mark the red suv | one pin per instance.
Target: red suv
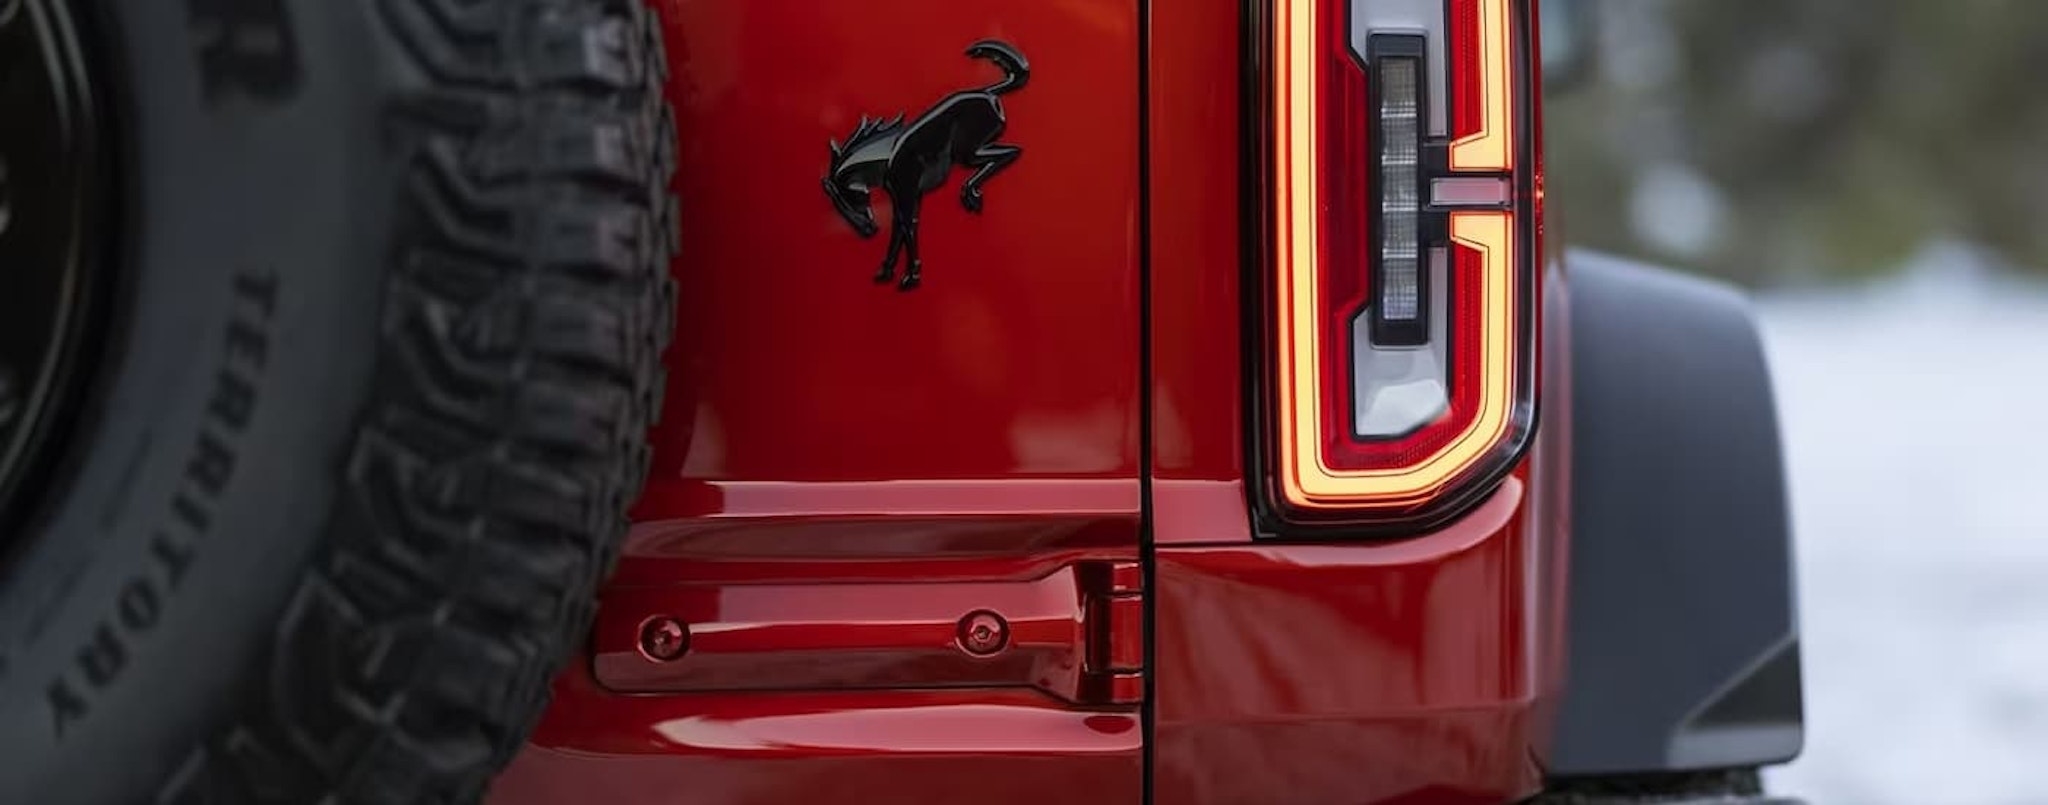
(1170, 401)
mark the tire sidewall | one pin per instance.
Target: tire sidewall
(255, 230)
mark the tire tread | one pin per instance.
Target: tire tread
(527, 308)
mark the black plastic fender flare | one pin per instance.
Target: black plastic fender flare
(1684, 633)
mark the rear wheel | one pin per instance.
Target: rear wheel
(352, 321)
(1723, 787)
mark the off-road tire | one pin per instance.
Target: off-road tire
(393, 295)
(1715, 787)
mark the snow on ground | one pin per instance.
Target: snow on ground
(1915, 415)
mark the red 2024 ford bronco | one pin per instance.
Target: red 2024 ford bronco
(1172, 401)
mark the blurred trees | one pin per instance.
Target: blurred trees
(1787, 140)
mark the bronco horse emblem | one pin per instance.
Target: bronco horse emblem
(909, 161)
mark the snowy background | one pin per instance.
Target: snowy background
(1915, 414)
(1873, 170)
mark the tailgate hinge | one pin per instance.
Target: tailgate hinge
(1077, 633)
(1114, 624)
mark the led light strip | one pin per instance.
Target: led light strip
(1491, 147)
(1307, 481)
(1312, 483)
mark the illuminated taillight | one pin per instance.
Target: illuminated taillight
(1397, 161)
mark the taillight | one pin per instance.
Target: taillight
(1400, 212)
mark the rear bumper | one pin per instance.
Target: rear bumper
(1414, 671)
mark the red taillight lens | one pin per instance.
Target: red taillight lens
(1401, 214)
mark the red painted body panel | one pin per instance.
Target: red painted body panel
(942, 739)
(844, 470)
(1197, 205)
(1401, 672)
(802, 386)
(979, 747)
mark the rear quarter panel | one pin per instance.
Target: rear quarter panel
(1422, 670)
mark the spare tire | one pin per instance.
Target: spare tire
(364, 309)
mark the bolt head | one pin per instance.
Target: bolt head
(983, 633)
(664, 639)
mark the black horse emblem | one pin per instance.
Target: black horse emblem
(909, 161)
